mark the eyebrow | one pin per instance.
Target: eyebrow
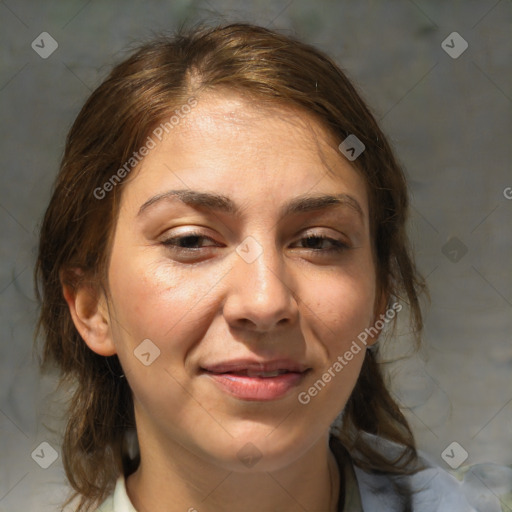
(216, 202)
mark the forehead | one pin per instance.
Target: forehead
(249, 149)
(256, 124)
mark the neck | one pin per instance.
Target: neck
(177, 480)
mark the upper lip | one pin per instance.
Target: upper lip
(239, 365)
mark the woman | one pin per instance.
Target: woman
(224, 245)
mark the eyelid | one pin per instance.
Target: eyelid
(322, 234)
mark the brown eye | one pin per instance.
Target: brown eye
(314, 240)
(187, 242)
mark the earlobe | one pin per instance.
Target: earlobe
(87, 306)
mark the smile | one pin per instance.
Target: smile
(257, 385)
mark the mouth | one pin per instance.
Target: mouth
(256, 381)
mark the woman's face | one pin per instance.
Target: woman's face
(223, 314)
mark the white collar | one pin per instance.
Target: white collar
(122, 502)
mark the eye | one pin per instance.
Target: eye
(187, 242)
(193, 242)
(315, 240)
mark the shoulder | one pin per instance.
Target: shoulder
(477, 488)
(427, 490)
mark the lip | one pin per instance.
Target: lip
(253, 387)
(238, 365)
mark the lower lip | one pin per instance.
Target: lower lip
(257, 388)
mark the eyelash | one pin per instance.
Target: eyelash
(173, 242)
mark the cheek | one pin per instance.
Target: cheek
(155, 300)
(342, 311)
(343, 305)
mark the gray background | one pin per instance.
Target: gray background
(449, 120)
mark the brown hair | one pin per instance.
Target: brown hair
(140, 93)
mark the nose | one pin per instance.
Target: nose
(260, 296)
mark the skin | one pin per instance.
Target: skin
(208, 304)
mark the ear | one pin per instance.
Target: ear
(381, 305)
(88, 307)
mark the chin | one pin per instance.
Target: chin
(261, 449)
